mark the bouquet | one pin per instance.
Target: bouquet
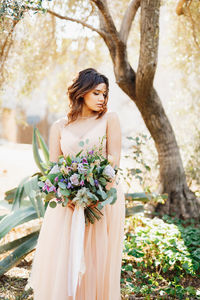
(81, 179)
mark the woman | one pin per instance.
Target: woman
(88, 119)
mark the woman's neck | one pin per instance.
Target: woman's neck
(87, 113)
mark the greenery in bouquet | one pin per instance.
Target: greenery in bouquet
(81, 179)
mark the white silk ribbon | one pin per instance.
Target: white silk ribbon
(76, 265)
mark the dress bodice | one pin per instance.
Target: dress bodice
(90, 131)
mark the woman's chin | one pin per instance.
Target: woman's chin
(97, 109)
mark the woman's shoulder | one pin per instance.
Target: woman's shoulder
(112, 116)
(59, 124)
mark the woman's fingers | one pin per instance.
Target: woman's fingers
(71, 205)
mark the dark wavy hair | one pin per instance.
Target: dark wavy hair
(84, 82)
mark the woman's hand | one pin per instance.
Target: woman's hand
(109, 185)
(111, 160)
(70, 204)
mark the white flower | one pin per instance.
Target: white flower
(74, 166)
(109, 171)
(55, 170)
(82, 198)
(59, 193)
(65, 170)
(74, 179)
(48, 182)
(82, 169)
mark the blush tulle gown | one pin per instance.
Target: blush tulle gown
(103, 241)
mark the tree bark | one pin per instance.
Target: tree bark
(181, 201)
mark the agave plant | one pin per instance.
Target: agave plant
(27, 204)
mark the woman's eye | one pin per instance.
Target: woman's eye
(96, 93)
(105, 95)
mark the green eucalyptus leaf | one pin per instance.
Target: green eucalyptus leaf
(52, 204)
(68, 160)
(81, 143)
(91, 181)
(66, 201)
(62, 185)
(79, 153)
(102, 193)
(103, 181)
(65, 192)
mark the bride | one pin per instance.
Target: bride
(98, 277)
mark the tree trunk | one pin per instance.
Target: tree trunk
(181, 201)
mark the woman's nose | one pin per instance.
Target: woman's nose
(101, 97)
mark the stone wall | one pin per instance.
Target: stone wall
(16, 129)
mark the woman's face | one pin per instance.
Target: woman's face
(95, 98)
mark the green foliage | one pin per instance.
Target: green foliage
(28, 189)
(190, 233)
(16, 9)
(158, 256)
(193, 164)
(36, 154)
(137, 155)
(139, 168)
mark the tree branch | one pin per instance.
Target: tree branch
(108, 24)
(179, 7)
(101, 33)
(128, 19)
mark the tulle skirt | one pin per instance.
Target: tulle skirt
(103, 246)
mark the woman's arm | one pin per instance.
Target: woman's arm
(54, 142)
(113, 142)
(54, 147)
(113, 139)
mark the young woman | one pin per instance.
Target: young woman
(99, 276)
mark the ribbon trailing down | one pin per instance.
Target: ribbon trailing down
(76, 267)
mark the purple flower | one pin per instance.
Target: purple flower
(91, 152)
(84, 161)
(44, 187)
(69, 185)
(96, 182)
(51, 189)
(82, 182)
(48, 186)
(61, 180)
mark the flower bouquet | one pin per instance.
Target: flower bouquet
(81, 179)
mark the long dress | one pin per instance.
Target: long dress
(103, 241)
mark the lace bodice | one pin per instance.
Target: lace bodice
(90, 131)
(65, 138)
